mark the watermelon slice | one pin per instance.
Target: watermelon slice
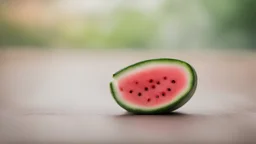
(154, 86)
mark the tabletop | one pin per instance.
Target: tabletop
(63, 96)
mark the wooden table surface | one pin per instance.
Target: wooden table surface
(62, 96)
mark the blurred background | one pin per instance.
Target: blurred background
(133, 24)
(57, 58)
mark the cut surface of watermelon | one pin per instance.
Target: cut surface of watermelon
(154, 86)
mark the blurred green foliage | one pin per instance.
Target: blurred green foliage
(132, 29)
(12, 34)
(235, 22)
(124, 29)
(203, 23)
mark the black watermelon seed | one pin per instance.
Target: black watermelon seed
(158, 83)
(149, 100)
(173, 81)
(163, 93)
(146, 88)
(153, 86)
(139, 94)
(169, 89)
(157, 96)
(131, 91)
(151, 80)
(165, 78)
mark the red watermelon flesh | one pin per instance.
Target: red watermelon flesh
(153, 86)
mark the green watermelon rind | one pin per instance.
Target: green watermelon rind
(173, 105)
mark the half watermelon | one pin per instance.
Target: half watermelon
(154, 86)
